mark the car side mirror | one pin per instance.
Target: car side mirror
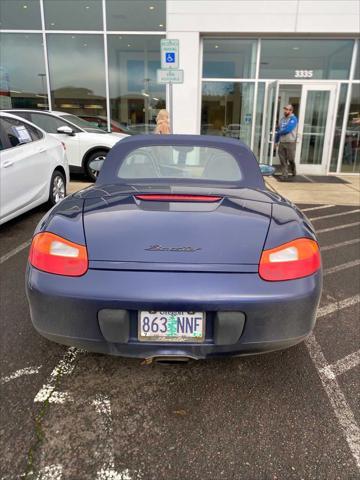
(95, 166)
(266, 170)
(66, 130)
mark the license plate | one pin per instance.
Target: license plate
(171, 326)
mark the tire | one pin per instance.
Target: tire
(57, 188)
(99, 155)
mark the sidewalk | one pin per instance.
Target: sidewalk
(320, 193)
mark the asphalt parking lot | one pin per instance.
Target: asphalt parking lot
(71, 415)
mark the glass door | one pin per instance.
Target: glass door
(270, 115)
(314, 129)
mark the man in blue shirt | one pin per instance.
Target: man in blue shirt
(286, 139)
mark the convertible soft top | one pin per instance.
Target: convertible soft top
(251, 176)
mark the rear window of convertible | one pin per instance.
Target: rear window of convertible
(164, 161)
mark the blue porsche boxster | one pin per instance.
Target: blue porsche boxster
(178, 250)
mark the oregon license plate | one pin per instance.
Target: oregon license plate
(171, 326)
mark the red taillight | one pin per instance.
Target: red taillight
(291, 260)
(53, 254)
(177, 198)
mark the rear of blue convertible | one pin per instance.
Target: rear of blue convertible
(187, 260)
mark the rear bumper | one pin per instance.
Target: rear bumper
(277, 314)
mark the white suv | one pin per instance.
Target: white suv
(84, 143)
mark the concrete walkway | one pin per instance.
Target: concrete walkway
(321, 193)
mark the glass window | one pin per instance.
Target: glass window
(194, 163)
(229, 58)
(357, 66)
(338, 128)
(47, 122)
(73, 14)
(227, 109)
(135, 95)
(130, 15)
(306, 59)
(77, 73)
(351, 153)
(22, 71)
(15, 131)
(20, 15)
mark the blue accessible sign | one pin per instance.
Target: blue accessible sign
(169, 54)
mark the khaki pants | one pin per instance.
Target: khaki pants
(287, 157)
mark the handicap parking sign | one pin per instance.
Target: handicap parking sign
(170, 57)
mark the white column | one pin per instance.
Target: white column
(187, 96)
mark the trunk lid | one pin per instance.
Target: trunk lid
(127, 232)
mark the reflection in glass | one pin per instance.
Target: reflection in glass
(77, 76)
(139, 15)
(316, 113)
(357, 66)
(351, 153)
(20, 14)
(135, 95)
(338, 127)
(259, 119)
(306, 59)
(73, 14)
(229, 58)
(22, 71)
(227, 109)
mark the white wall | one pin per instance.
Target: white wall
(188, 19)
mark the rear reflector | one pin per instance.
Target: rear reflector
(53, 254)
(291, 260)
(177, 198)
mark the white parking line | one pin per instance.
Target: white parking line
(342, 365)
(14, 251)
(316, 208)
(50, 472)
(333, 307)
(337, 399)
(64, 367)
(106, 443)
(19, 373)
(334, 215)
(341, 244)
(338, 227)
(343, 266)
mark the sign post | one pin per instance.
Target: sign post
(169, 72)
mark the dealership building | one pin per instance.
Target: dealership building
(242, 62)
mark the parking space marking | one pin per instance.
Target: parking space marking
(357, 210)
(337, 399)
(14, 251)
(334, 307)
(338, 227)
(20, 373)
(316, 208)
(343, 266)
(341, 244)
(107, 472)
(64, 367)
(50, 472)
(342, 365)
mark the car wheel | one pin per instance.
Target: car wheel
(92, 174)
(57, 188)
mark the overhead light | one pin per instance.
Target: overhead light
(41, 96)
(129, 44)
(85, 44)
(145, 94)
(14, 91)
(154, 98)
(161, 25)
(120, 38)
(73, 36)
(25, 6)
(216, 46)
(52, 24)
(152, 7)
(296, 48)
(87, 7)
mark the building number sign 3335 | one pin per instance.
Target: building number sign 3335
(304, 73)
